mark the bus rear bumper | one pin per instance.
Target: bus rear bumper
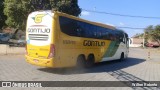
(40, 62)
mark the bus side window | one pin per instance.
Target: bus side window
(106, 35)
(96, 33)
(79, 32)
(87, 33)
(126, 38)
(112, 36)
(117, 37)
(73, 28)
(121, 39)
(79, 29)
(100, 33)
(93, 31)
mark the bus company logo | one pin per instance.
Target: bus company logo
(38, 18)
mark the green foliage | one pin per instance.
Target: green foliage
(153, 33)
(2, 16)
(67, 6)
(18, 10)
(149, 29)
(138, 35)
(147, 32)
(150, 33)
(156, 34)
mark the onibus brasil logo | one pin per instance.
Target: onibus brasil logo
(38, 18)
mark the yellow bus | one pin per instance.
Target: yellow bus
(57, 39)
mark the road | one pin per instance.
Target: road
(139, 66)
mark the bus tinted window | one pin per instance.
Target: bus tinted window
(81, 29)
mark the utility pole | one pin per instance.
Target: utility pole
(143, 39)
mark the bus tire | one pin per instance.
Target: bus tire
(81, 61)
(90, 61)
(122, 56)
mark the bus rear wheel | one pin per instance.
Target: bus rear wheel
(81, 61)
(90, 61)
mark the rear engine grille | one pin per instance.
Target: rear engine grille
(38, 37)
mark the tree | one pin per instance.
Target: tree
(149, 29)
(147, 32)
(156, 34)
(40, 4)
(18, 10)
(138, 35)
(67, 6)
(2, 16)
(153, 33)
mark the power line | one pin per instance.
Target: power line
(122, 15)
(129, 27)
(117, 26)
(133, 28)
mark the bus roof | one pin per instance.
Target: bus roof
(76, 18)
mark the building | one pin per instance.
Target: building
(136, 42)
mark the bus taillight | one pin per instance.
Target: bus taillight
(52, 51)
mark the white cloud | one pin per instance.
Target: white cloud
(121, 24)
(109, 24)
(85, 13)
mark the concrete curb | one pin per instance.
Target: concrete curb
(6, 49)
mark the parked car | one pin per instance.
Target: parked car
(152, 45)
(21, 41)
(18, 42)
(149, 45)
(4, 37)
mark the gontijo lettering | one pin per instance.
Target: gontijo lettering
(93, 43)
(39, 30)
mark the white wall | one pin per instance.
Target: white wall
(135, 45)
(131, 43)
(5, 49)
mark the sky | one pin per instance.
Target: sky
(147, 8)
